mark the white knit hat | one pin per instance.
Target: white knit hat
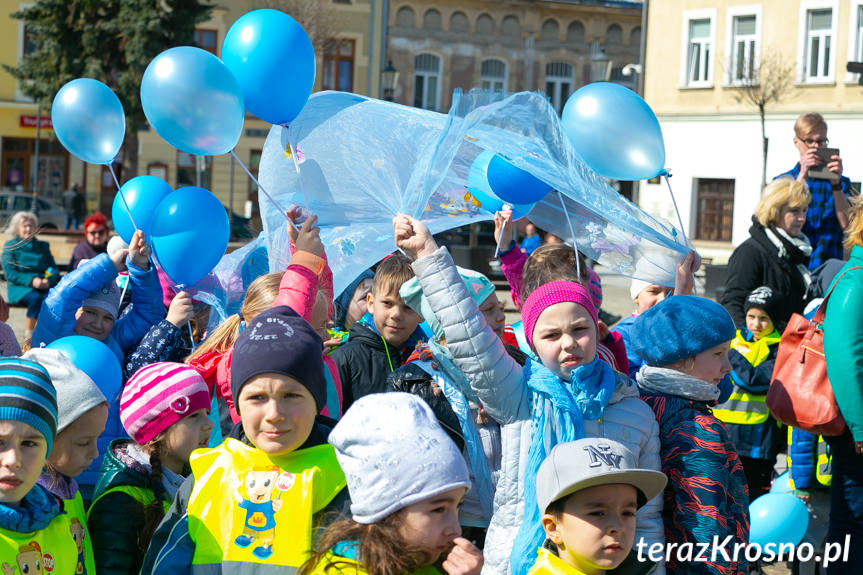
(106, 298)
(394, 453)
(659, 270)
(76, 392)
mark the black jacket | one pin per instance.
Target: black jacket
(756, 263)
(363, 363)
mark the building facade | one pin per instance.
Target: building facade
(699, 55)
(349, 56)
(553, 46)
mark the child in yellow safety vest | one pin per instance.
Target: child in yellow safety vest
(164, 408)
(36, 533)
(82, 413)
(406, 478)
(756, 435)
(251, 504)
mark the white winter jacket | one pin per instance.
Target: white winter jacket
(500, 384)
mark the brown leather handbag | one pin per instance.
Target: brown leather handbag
(800, 394)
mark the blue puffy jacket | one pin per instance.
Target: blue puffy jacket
(57, 319)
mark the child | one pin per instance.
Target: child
(383, 338)
(32, 520)
(351, 305)
(566, 395)
(250, 505)
(588, 492)
(82, 413)
(754, 432)
(406, 479)
(164, 410)
(684, 342)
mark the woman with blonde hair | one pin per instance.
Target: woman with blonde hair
(29, 266)
(775, 255)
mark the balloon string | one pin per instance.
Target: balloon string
(571, 234)
(673, 201)
(122, 196)
(261, 188)
(191, 335)
(296, 165)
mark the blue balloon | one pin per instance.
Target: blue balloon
(89, 120)
(193, 101)
(142, 194)
(273, 59)
(95, 359)
(189, 233)
(614, 132)
(480, 186)
(513, 185)
(777, 518)
(782, 484)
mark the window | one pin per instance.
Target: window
(558, 83)
(432, 20)
(743, 48)
(714, 209)
(575, 33)
(493, 75)
(819, 39)
(510, 27)
(405, 17)
(550, 31)
(206, 40)
(187, 170)
(458, 22)
(698, 53)
(614, 35)
(855, 37)
(427, 81)
(484, 25)
(338, 65)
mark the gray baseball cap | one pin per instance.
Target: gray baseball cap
(577, 465)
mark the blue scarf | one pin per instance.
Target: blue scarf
(559, 407)
(38, 508)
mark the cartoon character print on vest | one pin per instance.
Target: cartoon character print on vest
(30, 561)
(263, 485)
(79, 534)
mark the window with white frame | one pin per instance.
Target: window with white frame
(699, 52)
(744, 47)
(427, 81)
(819, 43)
(493, 75)
(558, 83)
(855, 37)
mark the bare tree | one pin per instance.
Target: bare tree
(317, 18)
(770, 82)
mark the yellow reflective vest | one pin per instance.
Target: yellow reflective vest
(547, 563)
(52, 550)
(743, 407)
(78, 525)
(332, 564)
(823, 461)
(249, 508)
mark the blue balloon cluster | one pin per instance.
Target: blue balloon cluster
(89, 120)
(193, 101)
(189, 233)
(614, 132)
(273, 59)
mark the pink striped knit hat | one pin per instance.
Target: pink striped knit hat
(158, 396)
(549, 294)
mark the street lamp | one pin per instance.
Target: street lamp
(389, 80)
(600, 64)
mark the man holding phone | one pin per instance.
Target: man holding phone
(821, 168)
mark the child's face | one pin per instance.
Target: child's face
(278, 412)
(596, 530)
(394, 320)
(711, 365)
(358, 306)
(22, 456)
(564, 337)
(432, 524)
(320, 311)
(75, 447)
(93, 322)
(181, 439)
(650, 296)
(758, 322)
(492, 309)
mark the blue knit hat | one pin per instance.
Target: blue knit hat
(679, 327)
(27, 395)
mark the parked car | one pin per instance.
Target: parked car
(50, 216)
